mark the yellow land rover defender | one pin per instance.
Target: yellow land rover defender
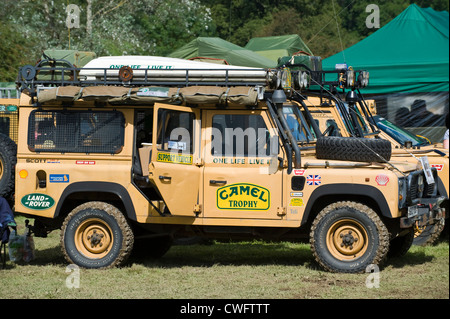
(130, 148)
(354, 118)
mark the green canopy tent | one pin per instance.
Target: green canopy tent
(278, 46)
(408, 64)
(217, 48)
(410, 53)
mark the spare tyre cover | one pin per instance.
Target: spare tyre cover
(353, 149)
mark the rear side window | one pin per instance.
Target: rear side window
(76, 131)
(4, 125)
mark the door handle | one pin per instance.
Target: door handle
(165, 177)
(216, 182)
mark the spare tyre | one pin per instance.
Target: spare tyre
(353, 149)
(8, 160)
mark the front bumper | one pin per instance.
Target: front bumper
(427, 212)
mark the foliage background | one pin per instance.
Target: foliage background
(158, 27)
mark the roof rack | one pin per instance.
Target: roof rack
(62, 73)
(57, 73)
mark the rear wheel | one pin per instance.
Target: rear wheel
(154, 248)
(96, 235)
(8, 159)
(347, 237)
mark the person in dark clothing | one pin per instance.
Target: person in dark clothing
(6, 220)
(421, 117)
(402, 117)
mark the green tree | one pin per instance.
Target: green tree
(13, 52)
(112, 27)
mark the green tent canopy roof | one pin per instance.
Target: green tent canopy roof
(214, 47)
(278, 46)
(409, 54)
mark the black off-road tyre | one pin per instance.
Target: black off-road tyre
(96, 235)
(347, 237)
(400, 245)
(153, 248)
(8, 160)
(428, 235)
(353, 149)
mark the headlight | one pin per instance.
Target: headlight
(363, 79)
(304, 79)
(301, 80)
(420, 186)
(277, 79)
(402, 192)
(415, 182)
(351, 77)
(286, 79)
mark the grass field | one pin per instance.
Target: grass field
(244, 270)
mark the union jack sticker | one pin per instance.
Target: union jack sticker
(313, 180)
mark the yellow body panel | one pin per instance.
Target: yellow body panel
(197, 188)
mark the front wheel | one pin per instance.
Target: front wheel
(347, 237)
(96, 235)
(427, 235)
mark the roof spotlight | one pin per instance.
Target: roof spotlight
(350, 78)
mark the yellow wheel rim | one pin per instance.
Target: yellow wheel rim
(93, 238)
(347, 239)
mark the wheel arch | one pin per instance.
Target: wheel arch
(326, 194)
(99, 191)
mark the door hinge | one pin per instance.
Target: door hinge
(199, 162)
(197, 209)
(281, 211)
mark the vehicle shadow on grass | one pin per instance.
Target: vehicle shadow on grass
(234, 253)
(200, 255)
(42, 257)
(238, 254)
(410, 259)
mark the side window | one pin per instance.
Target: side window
(9, 121)
(239, 135)
(332, 128)
(295, 125)
(4, 125)
(175, 131)
(144, 126)
(301, 131)
(76, 131)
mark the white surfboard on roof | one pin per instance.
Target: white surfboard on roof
(163, 67)
(156, 63)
